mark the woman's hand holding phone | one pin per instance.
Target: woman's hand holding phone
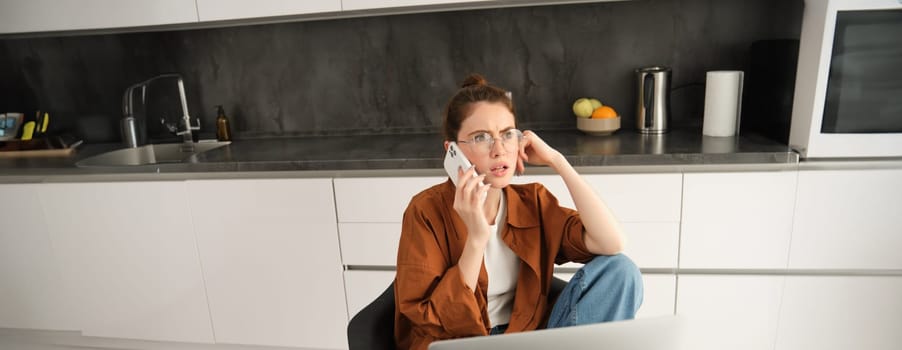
(471, 192)
(469, 199)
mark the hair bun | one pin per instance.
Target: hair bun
(474, 80)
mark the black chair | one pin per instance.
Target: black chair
(373, 328)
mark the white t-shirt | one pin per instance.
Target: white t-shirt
(503, 267)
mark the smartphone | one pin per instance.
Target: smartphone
(455, 159)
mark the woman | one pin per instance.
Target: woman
(477, 259)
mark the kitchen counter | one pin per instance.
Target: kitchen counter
(422, 154)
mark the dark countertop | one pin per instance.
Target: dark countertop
(424, 151)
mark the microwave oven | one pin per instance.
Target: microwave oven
(847, 100)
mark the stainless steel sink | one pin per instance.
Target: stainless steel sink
(149, 154)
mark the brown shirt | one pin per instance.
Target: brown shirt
(432, 300)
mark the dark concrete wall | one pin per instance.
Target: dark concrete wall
(393, 74)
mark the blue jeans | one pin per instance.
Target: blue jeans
(608, 288)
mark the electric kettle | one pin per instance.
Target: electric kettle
(653, 99)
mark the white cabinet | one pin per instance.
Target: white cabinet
(27, 16)
(351, 5)
(214, 10)
(370, 244)
(271, 261)
(737, 220)
(370, 224)
(647, 206)
(848, 219)
(378, 199)
(22, 16)
(652, 245)
(262, 262)
(32, 294)
(660, 295)
(370, 211)
(730, 312)
(362, 287)
(128, 254)
(632, 197)
(841, 312)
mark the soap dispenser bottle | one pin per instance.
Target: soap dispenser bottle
(223, 133)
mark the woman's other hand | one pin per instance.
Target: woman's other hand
(469, 199)
(535, 151)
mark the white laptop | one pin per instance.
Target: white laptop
(653, 333)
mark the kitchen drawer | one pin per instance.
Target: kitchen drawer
(730, 311)
(840, 312)
(848, 219)
(369, 244)
(648, 206)
(650, 245)
(737, 220)
(362, 287)
(378, 199)
(631, 197)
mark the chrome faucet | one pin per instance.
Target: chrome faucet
(129, 127)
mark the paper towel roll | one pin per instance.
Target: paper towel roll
(723, 102)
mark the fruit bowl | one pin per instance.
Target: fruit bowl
(598, 127)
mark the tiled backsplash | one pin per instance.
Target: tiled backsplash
(393, 74)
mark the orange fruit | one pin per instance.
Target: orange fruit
(604, 112)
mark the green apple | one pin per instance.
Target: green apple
(595, 103)
(583, 108)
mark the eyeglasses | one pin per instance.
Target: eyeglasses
(483, 142)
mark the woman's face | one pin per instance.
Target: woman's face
(498, 162)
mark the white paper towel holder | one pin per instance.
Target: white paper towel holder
(723, 103)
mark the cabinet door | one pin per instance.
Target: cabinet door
(32, 294)
(647, 206)
(215, 10)
(737, 220)
(21, 16)
(729, 312)
(128, 254)
(660, 295)
(841, 312)
(369, 244)
(365, 286)
(632, 197)
(848, 219)
(271, 262)
(373, 199)
(350, 5)
(650, 245)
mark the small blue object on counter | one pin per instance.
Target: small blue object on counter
(9, 125)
